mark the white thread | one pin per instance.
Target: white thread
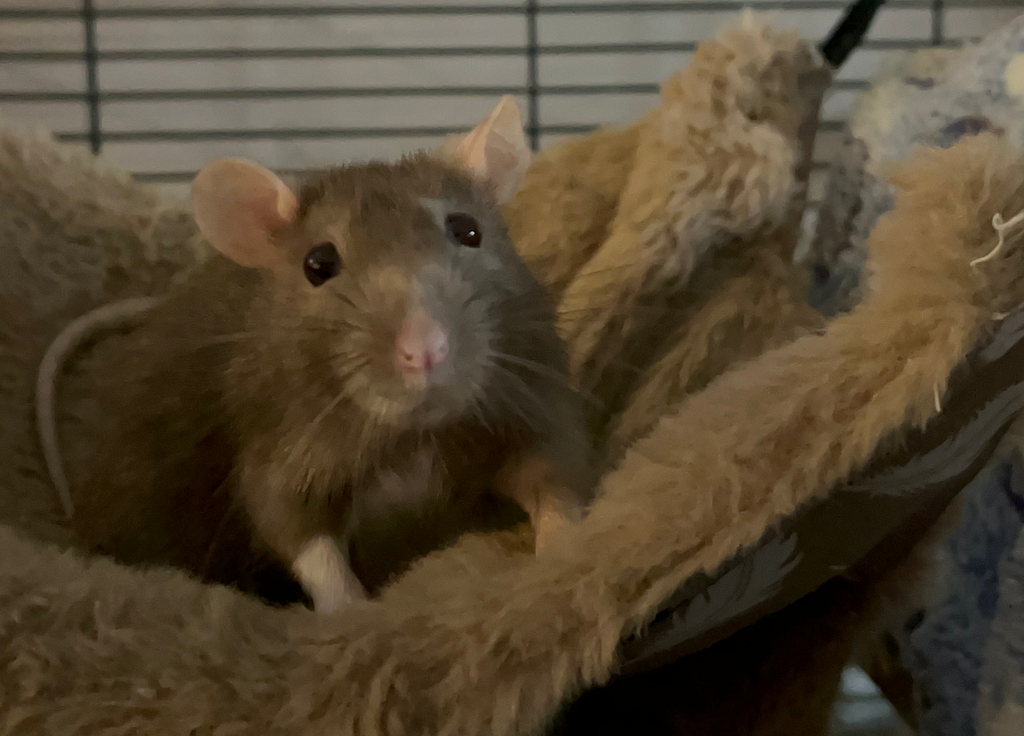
(109, 316)
(1000, 226)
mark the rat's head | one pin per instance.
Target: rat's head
(392, 285)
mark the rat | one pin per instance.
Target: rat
(362, 357)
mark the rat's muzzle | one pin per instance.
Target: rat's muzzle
(421, 346)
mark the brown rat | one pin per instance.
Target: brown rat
(364, 357)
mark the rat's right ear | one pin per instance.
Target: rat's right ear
(239, 205)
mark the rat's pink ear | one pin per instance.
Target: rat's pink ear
(238, 206)
(496, 151)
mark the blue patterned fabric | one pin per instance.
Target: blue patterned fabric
(948, 647)
(966, 653)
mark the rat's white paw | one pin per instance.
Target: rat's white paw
(553, 525)
(324, 573)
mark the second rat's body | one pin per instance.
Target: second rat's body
(375, 366)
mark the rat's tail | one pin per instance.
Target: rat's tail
(108, 317)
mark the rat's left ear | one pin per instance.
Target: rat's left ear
(496, 151)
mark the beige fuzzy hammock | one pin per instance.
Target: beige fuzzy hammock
(758, 463)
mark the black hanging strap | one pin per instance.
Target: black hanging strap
(849, 32)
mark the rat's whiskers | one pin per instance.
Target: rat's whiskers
(524, 392)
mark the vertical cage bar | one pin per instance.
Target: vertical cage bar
(532, 76)
(938, 23)
(92, 94)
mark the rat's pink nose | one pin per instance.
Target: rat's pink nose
(421, 345)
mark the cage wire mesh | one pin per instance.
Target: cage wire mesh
(161, 87)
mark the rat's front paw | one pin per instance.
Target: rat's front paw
(326, 576)
(553, 525)
(334, 599)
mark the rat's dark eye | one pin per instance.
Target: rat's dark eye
(322, 263)
(464, 230)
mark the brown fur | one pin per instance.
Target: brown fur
(720, 166)
(252, 404)
(746, 304)
(577, 185)
(496, 647)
